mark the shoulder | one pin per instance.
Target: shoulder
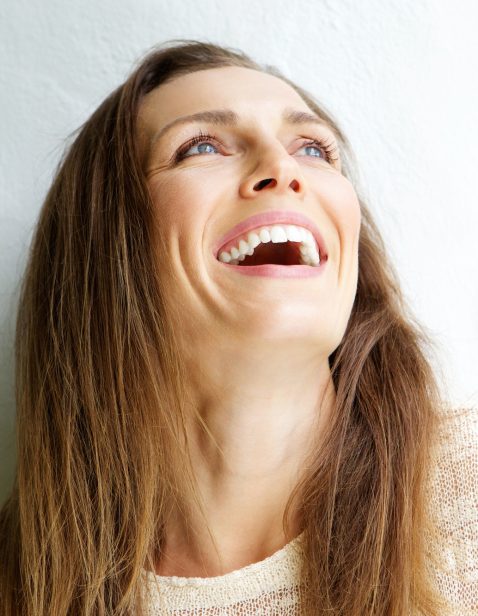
(453, 479)
(455, 455)
(452, 489)
(457, 437)
(458, 425)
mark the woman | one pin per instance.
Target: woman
(216, 375)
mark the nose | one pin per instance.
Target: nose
(277, 170)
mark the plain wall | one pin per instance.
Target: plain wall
(400, 77)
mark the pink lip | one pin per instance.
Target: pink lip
(269, 218)
(272, 270)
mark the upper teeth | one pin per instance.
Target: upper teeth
(276, 234)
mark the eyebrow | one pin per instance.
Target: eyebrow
(227, 117)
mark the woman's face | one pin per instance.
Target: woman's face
(257, 157)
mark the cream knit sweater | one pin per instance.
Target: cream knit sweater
(272, 586)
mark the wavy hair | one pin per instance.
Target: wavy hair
(102, 448)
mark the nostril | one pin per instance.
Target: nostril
(260, 185)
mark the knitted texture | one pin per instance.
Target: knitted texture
(453, 505)
(272, 586)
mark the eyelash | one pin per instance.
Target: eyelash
(329, 148)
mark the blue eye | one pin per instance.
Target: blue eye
(203, 143)
(314, 145)
(202, 148)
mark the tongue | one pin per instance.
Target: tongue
(282, 253)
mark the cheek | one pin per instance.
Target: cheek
(344, 209)
(170, 198)
(180, 203)
(347, 218)
(342, 219)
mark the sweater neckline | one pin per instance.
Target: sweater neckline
(243, 572)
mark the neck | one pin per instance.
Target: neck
(263, 410)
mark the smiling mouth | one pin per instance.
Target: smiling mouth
(274, 245)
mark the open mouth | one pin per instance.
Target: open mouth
(274, 245)
(284, 253)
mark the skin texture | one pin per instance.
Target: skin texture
(256, 348)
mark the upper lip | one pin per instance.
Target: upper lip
(269, 218)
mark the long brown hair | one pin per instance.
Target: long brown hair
(101, 418)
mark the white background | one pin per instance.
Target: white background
(399, 75)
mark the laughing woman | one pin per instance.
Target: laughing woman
(223, 406)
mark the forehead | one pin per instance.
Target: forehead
(245, 90)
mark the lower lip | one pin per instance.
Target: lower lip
(278, 271)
